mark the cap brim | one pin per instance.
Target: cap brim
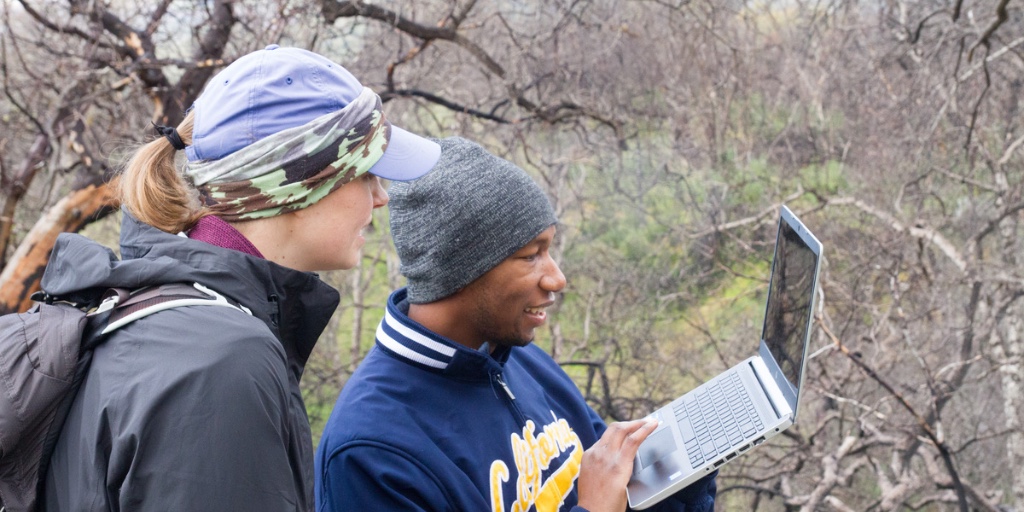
(407, 157)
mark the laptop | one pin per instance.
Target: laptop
(748, 403)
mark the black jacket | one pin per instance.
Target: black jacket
(194, 408)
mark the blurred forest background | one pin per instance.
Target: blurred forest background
(667, 133)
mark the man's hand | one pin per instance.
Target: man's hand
(608, 464)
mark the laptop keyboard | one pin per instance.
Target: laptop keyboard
(716, 418)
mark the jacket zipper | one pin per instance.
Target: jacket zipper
(275, 310)
(520, 417)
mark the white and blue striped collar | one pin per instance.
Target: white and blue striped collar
(414, 343)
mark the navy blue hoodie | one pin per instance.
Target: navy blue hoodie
(428, 424)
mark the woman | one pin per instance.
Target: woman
(199, 408)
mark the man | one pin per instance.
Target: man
(454, 409)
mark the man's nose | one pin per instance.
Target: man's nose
(553, 280)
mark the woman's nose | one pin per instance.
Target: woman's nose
(380, 195)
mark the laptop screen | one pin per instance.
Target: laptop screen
(791, 296)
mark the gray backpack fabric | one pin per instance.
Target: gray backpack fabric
(44, 356)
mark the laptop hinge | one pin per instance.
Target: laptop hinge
(779, 403)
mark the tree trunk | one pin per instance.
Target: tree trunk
(15, 190)
(1009, 351)
(20, 278)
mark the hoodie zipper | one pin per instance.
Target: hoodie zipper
(513, 406)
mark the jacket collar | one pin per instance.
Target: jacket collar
(295, 305)
(412, 343)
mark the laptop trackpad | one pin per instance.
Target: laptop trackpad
(656, 446)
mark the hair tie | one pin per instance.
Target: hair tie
(171, 134)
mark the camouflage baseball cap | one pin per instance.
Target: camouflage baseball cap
(278, 88)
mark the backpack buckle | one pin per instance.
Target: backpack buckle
(111, 298)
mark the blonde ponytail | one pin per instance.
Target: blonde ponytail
(154, 191)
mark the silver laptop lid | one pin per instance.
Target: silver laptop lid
(790, 306)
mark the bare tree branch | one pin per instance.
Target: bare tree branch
(1001, 16)
(918, 231)
(333, 9)
(433, 98)
(922, 423)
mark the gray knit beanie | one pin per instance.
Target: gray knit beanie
(463, 218)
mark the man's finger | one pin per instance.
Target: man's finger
(632, 442)
(619, 431)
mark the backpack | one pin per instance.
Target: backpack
(44, 356)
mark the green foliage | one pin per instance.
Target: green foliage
(827, 178)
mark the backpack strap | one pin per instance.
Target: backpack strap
(118, 308)
(126, 307)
